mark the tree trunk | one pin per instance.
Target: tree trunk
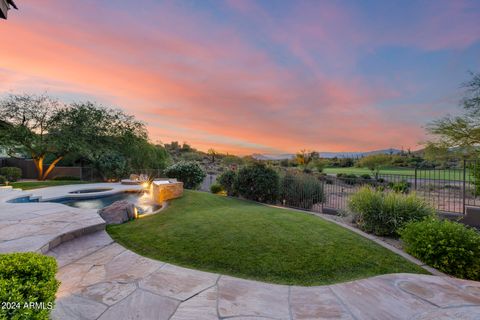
(51, 167)
(38, 161)
(41, 174)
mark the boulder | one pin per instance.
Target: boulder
(118, 212)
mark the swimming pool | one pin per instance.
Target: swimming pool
(142, 200)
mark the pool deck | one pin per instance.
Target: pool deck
(103, 280)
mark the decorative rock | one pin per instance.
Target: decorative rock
(118, 212)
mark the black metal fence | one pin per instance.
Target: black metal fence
(447, 190)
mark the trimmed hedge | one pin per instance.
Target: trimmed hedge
(448, 246)
(27, 285)
(384, 213)
(188, 172)
(257, 182)
(3, 180)
(11, 173)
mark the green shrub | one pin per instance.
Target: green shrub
(447, 246)
(66, 178)
(27, 278)
(11, 173)
(258, 183)
(111, 165)
(366, 176)
(188, 172)
(400, 187)
(227, 181)
(384, 213)
(348, 178)
(216, 188)
(3, 180)
(301, 191)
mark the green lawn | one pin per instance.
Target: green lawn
(451, 174)
(42, 184)
(244, 239)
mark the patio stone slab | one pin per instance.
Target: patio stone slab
(129, 266)
(25, 244)
(465, 313)
(104, 255)
(379, 298)
(237, 297)
(316, 303)
(177, 282)
(201, 307)
(80, 247)
(141, 305)
(73, 307)
(441, 294)
(108, 292)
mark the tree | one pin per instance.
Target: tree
(26, 123)
(304, 157)
(374, 162)
(42, 127)
(460, 133)
(213, 154)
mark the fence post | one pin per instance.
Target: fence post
(464, 187)
(416, 178)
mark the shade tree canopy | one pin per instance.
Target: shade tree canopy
(41, 127)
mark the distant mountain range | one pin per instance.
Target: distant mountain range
(289, 156)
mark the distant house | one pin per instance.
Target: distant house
(6, 5)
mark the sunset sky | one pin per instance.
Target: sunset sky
(246, 76)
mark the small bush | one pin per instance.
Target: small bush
(11, 173)
(447, 246)
(301, 191)
(227, 181)
(348, 178)
(400, 187)
(66, 178)
(384, 213)
(258, 183)
(3, 180)
(216, 188)
(27, 278)
(365, 176)
(188, 172)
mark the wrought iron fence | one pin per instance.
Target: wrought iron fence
(447, 190)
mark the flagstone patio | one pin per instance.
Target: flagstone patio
(103, 280)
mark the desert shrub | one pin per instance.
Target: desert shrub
(400, 187)
(447, 246)
(191, 156)
(348, 178)
(188, 172)
(66, 178)
(3, 180)
(216, 188)
(27, 278)
(384, 213)
(11, 173)
(257, 182)
(301, 191)
(227, 181)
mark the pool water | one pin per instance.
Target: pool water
(141, 200)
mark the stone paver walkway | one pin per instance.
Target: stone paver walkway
(103, 280)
